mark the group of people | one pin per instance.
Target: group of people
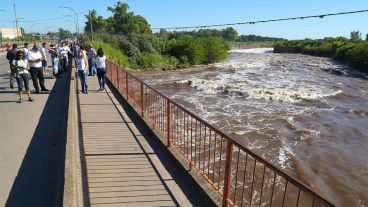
(31, 63)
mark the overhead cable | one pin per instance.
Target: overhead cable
(262, 21)
(46, 19)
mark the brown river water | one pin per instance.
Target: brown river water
(307, 115)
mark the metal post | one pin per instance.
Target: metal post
(16, 22)
(229, 158)
(90, 23)
(142, 101)
(169, 115)
(76, 15)
(117, 78)
(126, 85)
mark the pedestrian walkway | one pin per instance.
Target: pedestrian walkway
(32, 143)
(119, 166)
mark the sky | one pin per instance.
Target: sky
(172, 13)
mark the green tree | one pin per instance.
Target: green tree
(229, 34)
(366, 37)
(124, 22)
(355, 36)
(64, 33)
(99, 24)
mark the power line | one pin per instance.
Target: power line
(264, 21)
(46, 19)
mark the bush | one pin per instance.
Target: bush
(154, 60)
(198, 50)
(215, 49)
(189, 50)
(147, 50)
(354, 53)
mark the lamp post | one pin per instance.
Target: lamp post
(74, 21)
(76, 15)
(69, 20)
(16, 29)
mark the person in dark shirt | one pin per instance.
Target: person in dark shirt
(11, 56)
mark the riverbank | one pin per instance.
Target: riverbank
(152, 51)
(352, 53)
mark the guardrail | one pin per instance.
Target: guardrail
(240, 176)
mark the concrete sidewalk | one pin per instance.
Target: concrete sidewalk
(32, 143)
(121, 163)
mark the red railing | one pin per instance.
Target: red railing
(240, 176)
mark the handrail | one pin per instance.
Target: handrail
(174, 121)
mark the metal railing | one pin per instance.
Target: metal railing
(240, 176)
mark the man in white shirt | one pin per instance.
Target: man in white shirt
(44, 61)
(25, 49)
(35, 58)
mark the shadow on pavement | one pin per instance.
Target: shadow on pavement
(40, 179)
(179, 174)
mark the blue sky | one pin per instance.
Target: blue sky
(168, 13)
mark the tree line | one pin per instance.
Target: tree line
(141, 48)
(132, 35)
(353, 51)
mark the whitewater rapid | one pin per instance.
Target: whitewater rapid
(308, 115)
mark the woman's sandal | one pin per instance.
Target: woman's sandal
(20, 100)
(30, 99)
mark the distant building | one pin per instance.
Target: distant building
(10, 32)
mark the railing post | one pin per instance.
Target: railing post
(108, 70)
(126, 85)
(168, 122)
(142, 101)
(117, 78)
(229, 158)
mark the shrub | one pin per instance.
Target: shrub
(354, 53)
(189, 50)
(215, 49)
(154, 60)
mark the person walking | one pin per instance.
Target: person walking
(20, 65)
(82, 65)
(34, 58)
(44, 61)
(91, 54)
(11, 55)
(101, 68)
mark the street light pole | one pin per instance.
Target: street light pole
(76, 15)
(69, 20)
(75, 22)
(16, 22)
(90, 23)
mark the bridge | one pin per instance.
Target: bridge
(128, 145)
